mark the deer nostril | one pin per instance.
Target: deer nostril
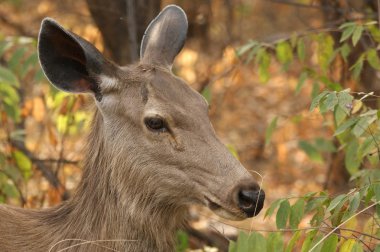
(251, 201)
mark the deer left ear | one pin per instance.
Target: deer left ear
(69, 62)
(164, 37)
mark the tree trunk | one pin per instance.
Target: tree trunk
(122, 24)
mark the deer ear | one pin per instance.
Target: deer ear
(164, 37)
(69, 62)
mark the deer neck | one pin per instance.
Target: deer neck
(132, 216)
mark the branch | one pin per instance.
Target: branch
(46, 172)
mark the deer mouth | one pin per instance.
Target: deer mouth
(223, 210)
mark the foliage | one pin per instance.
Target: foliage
(335, 223)
(25, 96)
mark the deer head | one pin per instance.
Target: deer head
(152, 131)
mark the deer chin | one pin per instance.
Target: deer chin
(224, 211)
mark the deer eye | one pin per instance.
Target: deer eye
(155, 124)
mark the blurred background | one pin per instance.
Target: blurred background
(259, 104)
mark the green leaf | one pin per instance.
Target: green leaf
(345, 50)
(243, 243)
(353, 205)
(362, 125)
(301, 81)
(293, 241)
(10, 92)
(284, 53)
(357, 68)
(14, 62)
(269, 131)
(345, 101)
(357, 34)
(347, 24)
(182, 241)
(263, 60)
(317, 99)
(272, 207)
(30, 63)
(339, 116)
(325, 145)
(307, 242)
(330, 244)
(301, 49)
(334, 203)
(344, 126)
(347, 32)
(7, 77)
(373, 59)
(296, 213)
(23, 163)
(258, 241)
(245, 48)
(331, 101)
(325, 51)
(351, 160)
(347, 245)
(282, 214)
(10, 190)
(275, 242)
(311, 151)
(232, 247)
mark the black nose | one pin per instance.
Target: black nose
(251, 201)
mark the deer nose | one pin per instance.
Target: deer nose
(251, 201)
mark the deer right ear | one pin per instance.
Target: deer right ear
(69, 62)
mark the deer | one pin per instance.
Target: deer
(151, 151)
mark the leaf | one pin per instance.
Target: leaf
(282, 214)
(362, 125)
(232, 247)
(353, 206)
(307, 242)
(243, 244)
(345, 101)
(351, 160)
(325, 51)
(347, 24)
(296, 213)
(8, 77)
(347, 245)
(272, 207)
(245, 48)
(357, 67)
(339, 116)
(345, 50)
(293, 241)
(284, 53)
(275, 242)
(344, 126)
(263, 60)
(357, 34)
(331, 101)
(330, 244)
(317, 99)
(310, 151)
(258, 241)
(334, 203)
(269, 131)
(182, 241)
(373, 59)
(301, 81)
(14, 62)
(23, 163)
(301, 49)
(325, 145)
(347, 32)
